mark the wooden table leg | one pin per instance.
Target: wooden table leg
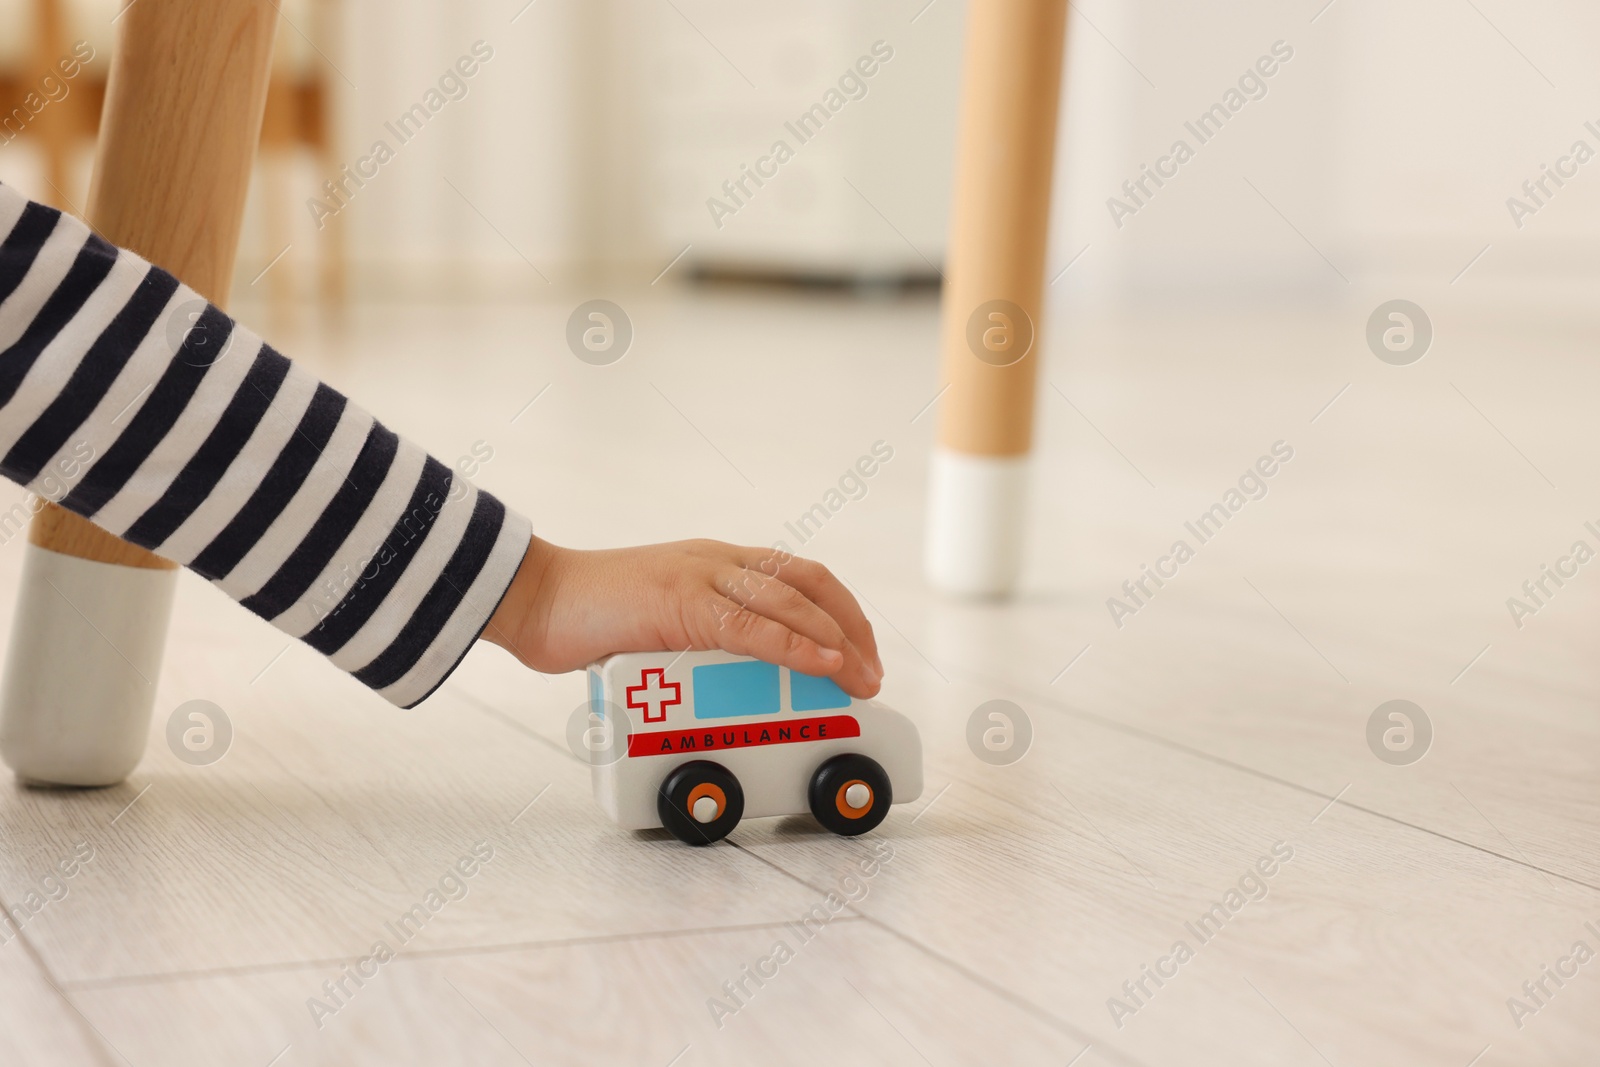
(55, 132)
(172, 166)
(994, 293)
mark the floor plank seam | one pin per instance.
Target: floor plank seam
(91, 1033)
(1178, 746)
(495, 713)
(1005, 993)
(288, 966)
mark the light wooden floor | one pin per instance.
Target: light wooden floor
(1227, 715)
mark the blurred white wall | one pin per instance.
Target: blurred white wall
(589, 143)
(597, 134)
(505, 146)
(1444, 111)
(1385, 148)
(1383, 152)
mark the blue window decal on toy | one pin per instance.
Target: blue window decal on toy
(597, 704)
(725, 689)
(810, 693)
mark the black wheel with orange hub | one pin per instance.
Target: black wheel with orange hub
(850, 794)
(700, 802)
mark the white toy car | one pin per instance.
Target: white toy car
(697, 741)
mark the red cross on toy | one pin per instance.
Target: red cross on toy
(652, 699)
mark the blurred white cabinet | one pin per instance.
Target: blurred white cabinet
(863, 193)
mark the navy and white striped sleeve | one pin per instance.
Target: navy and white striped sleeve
(128, 399)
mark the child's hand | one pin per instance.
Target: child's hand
(567, 608)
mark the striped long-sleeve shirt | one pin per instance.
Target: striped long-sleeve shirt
(128, 399)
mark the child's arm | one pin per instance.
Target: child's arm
(126, 398)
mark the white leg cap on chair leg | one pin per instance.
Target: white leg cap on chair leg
(976, 511)
(79, 684)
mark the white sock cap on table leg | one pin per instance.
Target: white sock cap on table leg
(78, 688)
(976, 511)
(74, 711)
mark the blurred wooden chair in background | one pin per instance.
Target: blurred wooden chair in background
(36, 35)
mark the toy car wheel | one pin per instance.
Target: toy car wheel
(850, 794)
(700, 802)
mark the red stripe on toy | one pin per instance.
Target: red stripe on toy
(744, 735)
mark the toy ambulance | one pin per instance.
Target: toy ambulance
(697, 741)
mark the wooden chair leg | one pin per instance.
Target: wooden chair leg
(334, 258)
(334, 248)
(276, 201)
(177, 140)
(993, 292)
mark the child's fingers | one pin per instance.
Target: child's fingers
(829, 593)
(783, 603)
(744, 632)
(786, 605)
